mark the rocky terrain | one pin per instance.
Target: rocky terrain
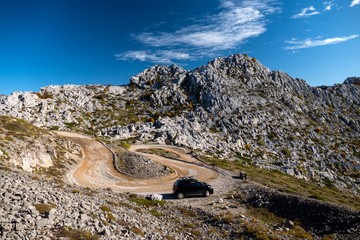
(232, 113)
(37, 208)
(32, 149)
(138, 166)
(233, 108)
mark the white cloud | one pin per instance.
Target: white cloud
(226, 30)
(160, 56)
(354, 2)
(237, 21)
(309, 43)
(328, 5)
(306, 12)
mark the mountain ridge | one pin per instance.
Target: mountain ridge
(233, 108)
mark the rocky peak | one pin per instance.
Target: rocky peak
(352, 80)
(158, 76)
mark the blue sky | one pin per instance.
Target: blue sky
(47, 42)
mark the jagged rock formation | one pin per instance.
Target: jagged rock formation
(233, 107)
(236, 107)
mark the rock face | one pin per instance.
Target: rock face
(316, 215)
(233, 108)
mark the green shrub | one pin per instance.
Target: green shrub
(156, 213)
(286, 152)
(105, 208)
(146, 202)
(125, 145)
(137, 231)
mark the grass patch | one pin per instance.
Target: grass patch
(287, 183)
(125, 145)
(75, 234)
(160, 152)
(156, 213)
(105, 208)
(146, 202)
(44, 208)
(137, 231)
(19, 127)
(257, 230)
(75, 191)
(187, 212)
(299, 233)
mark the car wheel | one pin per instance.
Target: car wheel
(206, 193)
(180, 195)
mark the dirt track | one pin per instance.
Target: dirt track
(96, 168)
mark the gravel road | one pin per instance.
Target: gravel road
(96, 168)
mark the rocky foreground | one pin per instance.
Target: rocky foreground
(33, 208)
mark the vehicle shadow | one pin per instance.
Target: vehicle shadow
(168, 196)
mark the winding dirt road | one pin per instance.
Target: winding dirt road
(96, 168)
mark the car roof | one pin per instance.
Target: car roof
(187, 179)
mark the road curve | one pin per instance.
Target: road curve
(96, 168)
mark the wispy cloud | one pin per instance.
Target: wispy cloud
(306, 12)
(296, 44)
(159, 56)
(328, 5)
(354, 3)
(236, 22)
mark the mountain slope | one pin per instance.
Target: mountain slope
(233, 108)
(35, 150)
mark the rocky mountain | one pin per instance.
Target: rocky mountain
(289, 138)
(233, 108)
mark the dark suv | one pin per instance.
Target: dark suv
(188, 186)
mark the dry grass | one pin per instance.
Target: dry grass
(76, 234)
(44, 208)
(159, 152)
(286, 183)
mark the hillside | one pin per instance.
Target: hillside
(34, 150)
(233, 108)
(299, 146)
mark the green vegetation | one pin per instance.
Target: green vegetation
(156, 213)
(75, 191)
(287, 183)
(263, 220)
(105, 208)
(286, 152)
(125, 145)
(75, 234)
(146, 202)
(159, 152)
(18, 127)
(137, 231)
(187, 212)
